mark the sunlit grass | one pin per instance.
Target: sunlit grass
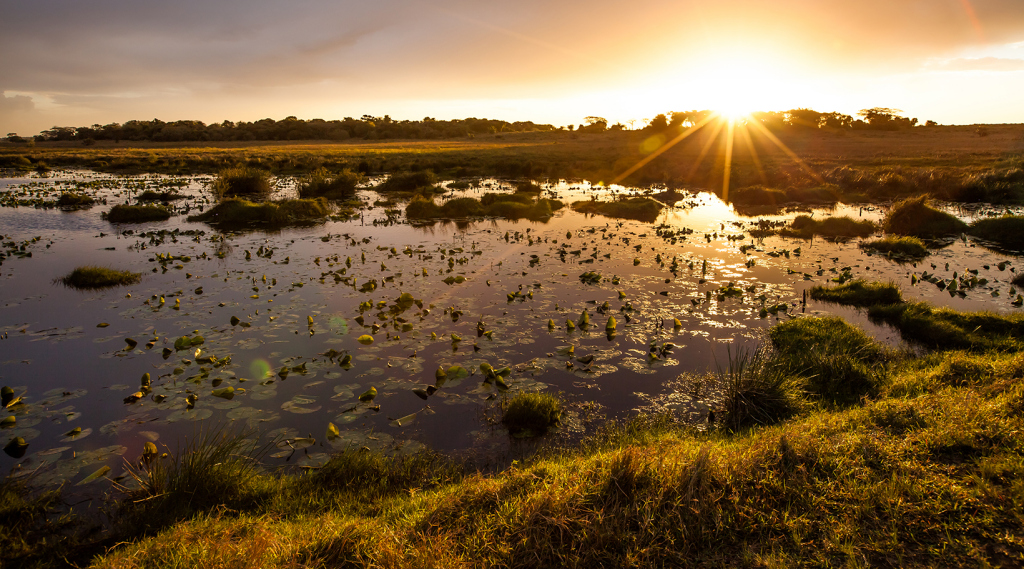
(93, 277)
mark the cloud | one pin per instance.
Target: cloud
(999, 64)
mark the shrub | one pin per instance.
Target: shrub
(242, 181)
(137, 213)
(915, 217)
(92, 277)
(321, 183)
(532, 414)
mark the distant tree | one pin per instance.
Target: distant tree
(13, 138)
(803, 118)
(658, 123)
(884, 118)
(595, 124)
(930, 123)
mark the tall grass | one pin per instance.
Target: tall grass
(640, 209)
(859, 292)
(842, 227)
(237, 211)
(124, 213)
(531, 414)
(898, 248)
(323, 183)
(916, 217)
(757, 391)
(1007, 231)
(93, 277)
(244, 181)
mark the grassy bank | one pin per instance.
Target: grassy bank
(825, 448)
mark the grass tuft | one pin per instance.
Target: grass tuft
(137, 213)
(72, 199)
(859, 293)
(831, 227)
(334, 186)
(93, 277)
(758, 391)
(237, 211)
(408, 181)
(532, 414)
(640, 209)
(903, 248)
(1007, 231)
(917, 218)
(166, 196)
(511, 206)
(242, 181)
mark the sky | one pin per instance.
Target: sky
(78, 63)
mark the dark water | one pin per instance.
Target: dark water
(73, 373)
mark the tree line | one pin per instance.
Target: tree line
(382, 128)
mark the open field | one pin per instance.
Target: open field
(948, 162)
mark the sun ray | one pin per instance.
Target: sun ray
(704, 151)
(803, 165)
(749, 142)
(661, 150)
(727, 170)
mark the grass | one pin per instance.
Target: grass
(511, 206)
(640, 209)
(1006, 231)
(242, 181)
(898, 248)
(943, 328)
(843, 227)
(334, 186)
(758, 391)
(124, 213)
(531, 414)
(92, 277)
(165, 196)
(72, 199)
(408, 181)
(858, 293)
(237, 211)
(916, 217)
(925, 471)
(1018, 280)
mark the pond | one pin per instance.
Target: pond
(251, 330)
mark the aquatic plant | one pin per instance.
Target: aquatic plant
(408, 181)
(154, 196)
(237, 211)
(323, 183)
(858, 293)
(124, 213)
(843, 227)
(531, 414)
(640, 209)
(916, 217)
(898, 248)
(93, 277)
(242, 181)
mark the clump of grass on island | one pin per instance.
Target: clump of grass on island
(243, 181)
(73, 199)
(237, 211)
(92, 277)
(408, 181)
(511, 206)
(125, 213)
(331, 185)
(917, 218)
(640, 209)
(843, 227)
(165, 196)
(1006, 231)
(531, 414)
(859, 293)
(758, 196)
(944, 328)
(898, 248)
(528, 187)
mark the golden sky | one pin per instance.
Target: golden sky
(74, 63)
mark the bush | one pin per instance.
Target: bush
(137, 213)
(92, 277)
(532, 414)
(915, 217)
(321, 183)
(242, 181)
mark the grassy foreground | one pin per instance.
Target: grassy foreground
(828, 449)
